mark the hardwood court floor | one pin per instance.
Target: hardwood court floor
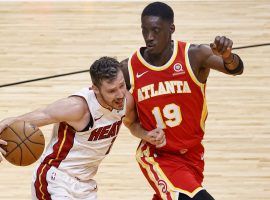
(47, 38)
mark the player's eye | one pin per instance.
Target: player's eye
(156, 30)
(122, 86)
(111, 91)
(144, 31)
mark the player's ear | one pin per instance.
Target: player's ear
(95, 89)
(172, 28)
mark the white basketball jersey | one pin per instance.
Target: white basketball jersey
(80, 153)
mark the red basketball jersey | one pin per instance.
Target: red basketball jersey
(170, 97)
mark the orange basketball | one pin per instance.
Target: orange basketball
(25, 143)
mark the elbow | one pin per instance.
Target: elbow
(127, 124)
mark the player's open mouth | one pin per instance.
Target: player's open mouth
(150, 46)
(119, 103)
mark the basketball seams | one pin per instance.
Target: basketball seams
(14, 150)
(10, 141)
(27, 137)
(21, 155)
(29, 149)
(15, 133)
(22, 141)
(33, 141)
(18, 145)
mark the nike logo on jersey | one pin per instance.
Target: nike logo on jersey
(141, 74)
(98, 118)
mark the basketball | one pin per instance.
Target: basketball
(25, 143)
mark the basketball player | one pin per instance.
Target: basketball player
(168, 80)
(87, 124)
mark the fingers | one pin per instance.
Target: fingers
(222, 46)
(2, 142)
(159, 134)
(157, 137)
(2, 151)
(161, 142)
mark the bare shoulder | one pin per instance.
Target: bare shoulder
(124, 63)
(200, 50)
(77, 104)
(78, 111)
(198, 54)
(130, 101)
(131, 114)
(124, 68)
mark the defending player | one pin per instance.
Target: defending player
(168, 80)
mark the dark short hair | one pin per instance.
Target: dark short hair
(159, 9)
(105, 68)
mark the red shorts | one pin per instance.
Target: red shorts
(170, 174)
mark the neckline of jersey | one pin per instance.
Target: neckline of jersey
(163, 67)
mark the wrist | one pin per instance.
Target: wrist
(229, 60)
(145, 136)
(235, 67)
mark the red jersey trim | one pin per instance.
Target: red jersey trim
(168, 64)
(60, 150)
(41, 183)
(131, 75)
(155, 173)
(201, 85)
(190, 71)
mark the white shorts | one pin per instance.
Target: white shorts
(59, 185)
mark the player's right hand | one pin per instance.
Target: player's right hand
(2, 151)
(3, 125)
(156, 137)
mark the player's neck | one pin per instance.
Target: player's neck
(102, 102)
(162, 58)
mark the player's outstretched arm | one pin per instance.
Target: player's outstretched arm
(70, 110)
(131, 121)
(219, 56)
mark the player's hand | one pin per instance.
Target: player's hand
(222, 46)
(156, 137)
(2, 151)
(6, 122)
(3, 125)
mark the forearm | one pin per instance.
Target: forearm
(137, 130)
(37, 117)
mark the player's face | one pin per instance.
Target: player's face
(156, 33)
(112, 93)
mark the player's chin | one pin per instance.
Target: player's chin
(118, 105)
(153, 50)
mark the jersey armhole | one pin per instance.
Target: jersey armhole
(131, 75)
(91, 121)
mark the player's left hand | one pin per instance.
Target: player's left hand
(222, 46)
(156, 137)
